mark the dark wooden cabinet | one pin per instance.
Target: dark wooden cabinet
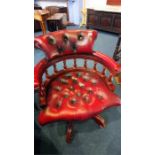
(103, 20)
(64, 10)
(37, 26)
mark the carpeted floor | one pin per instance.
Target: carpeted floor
(89, 139)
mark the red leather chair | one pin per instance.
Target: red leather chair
(74, 93)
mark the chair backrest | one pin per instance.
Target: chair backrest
(64, 42)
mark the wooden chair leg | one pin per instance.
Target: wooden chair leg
(100, 121)
(69, 132)
(43, 27)
(118, 79)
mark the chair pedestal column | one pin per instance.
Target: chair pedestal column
(69, 132)
(100, 121)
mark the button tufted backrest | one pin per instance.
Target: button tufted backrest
(64, 42)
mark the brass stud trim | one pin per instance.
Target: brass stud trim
(81, 85)
(57, 88)
(90, 90)
(86, 78)
(75, 80)
(66, 95)
(58, 104)
(94, 81)
(69, 75)
(73, 101)
(51, 40)
(86, 98)
(64, 81)
(78, 74)
(78, 94)
(71, 88)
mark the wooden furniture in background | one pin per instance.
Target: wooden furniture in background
(57, 22)
(57, 9)
(104, 20)
(58, 18)
(117, 52)
(41, 15)
(117, 58)
(37, 26)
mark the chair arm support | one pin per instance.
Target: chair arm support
(38, 70)
(113, 67)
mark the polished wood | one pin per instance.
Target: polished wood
(100, 121)
(57, 22)
(117, 52)
(41, 15)
(57, 9)
(117, 58)
(104, 20)
(69, 132)
(37, 26)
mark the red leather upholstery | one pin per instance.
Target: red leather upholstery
(77, 96)
(76, 93)
(66, 42)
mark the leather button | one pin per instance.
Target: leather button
(73, 101)
(99, 95)
(94, 81)
(60, 49)
(51, 40)
(86, 98)
(90, 90)
(75, 80)
(66, 95)
(86, 78)
(58, 104)
(81, 85)
(69, 75)
(64, 81)
(78, 74)
(57, 88)
(71, 88)
(80, 37)
(73, 45)
(65, 38)
(78, 94)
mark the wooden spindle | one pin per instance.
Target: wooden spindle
(110, 77)
(103, 71)
(46, 73)
(85, 63)
(55, 68)
(65, 65)
(42, 90)
(75, 63)
(95, 63)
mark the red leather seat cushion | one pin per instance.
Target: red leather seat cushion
(77, 95)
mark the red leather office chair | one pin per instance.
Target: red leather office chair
(74, 93)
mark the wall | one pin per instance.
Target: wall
(45, 3)
(75, 11)
(97, 4)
